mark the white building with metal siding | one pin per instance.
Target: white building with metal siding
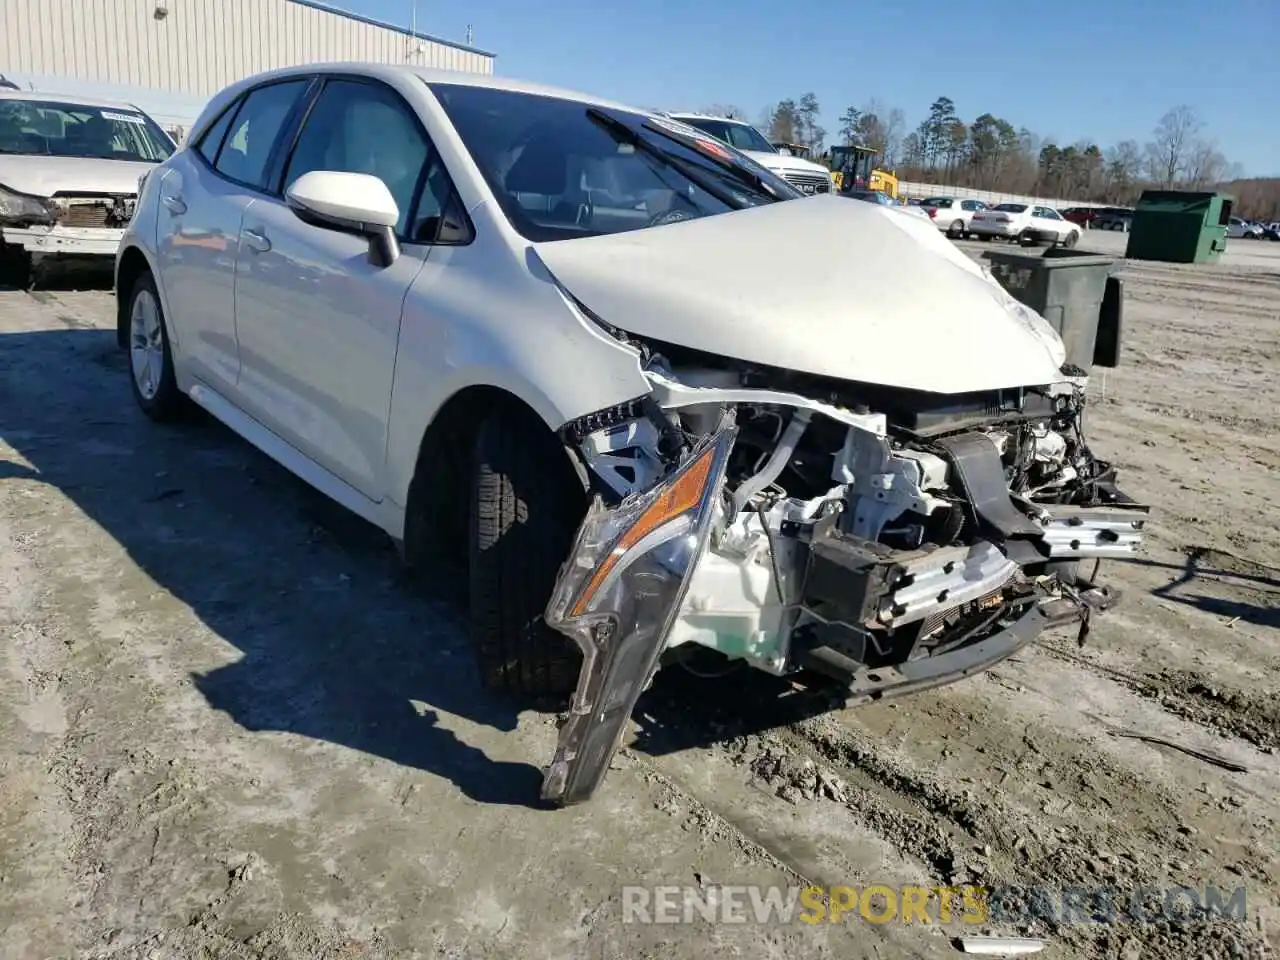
(183, 51)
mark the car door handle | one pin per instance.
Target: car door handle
(256, 240)
(175, 205)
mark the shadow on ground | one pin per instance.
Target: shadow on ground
(1223, 585)
(332, 642)
(67, 273)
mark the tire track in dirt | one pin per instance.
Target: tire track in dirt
(1041, 806)
(1251, 717)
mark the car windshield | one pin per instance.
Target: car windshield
(740, 135)
(49, 129)
(943, 202)
(563, 168)
(1010, 207)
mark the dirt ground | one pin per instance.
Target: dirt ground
(227, 729)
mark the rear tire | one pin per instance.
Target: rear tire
(526, 506)
(1026, 239)
(956, 230)
(155, 388)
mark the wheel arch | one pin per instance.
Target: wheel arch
(439, 488)
(130, 265)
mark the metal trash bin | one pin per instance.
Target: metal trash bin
(1179, 226)
(1076, 292)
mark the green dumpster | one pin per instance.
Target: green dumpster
(1076, 292)
(1179, 226)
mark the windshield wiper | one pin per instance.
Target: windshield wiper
(623, 133)
(741, 173)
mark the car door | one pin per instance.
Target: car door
(317, 321)
(969, 208)
(202, 201)
(1056, 222)
(1040, 222)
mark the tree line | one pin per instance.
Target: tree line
(991, 153)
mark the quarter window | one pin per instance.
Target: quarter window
(212, 140)
(246, 150)
(358, 127)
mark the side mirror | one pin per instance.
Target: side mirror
(350, 203)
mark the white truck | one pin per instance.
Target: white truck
(805, 175)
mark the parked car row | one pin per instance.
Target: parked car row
(1241, 229)
(1024, 223)
(557, 340)
(963, 217)
(1100, 218)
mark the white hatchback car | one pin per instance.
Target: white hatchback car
(556, 339)
(1026, 223)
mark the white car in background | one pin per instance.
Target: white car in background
(806, 175)
(1244, 229)
(558, 341)
(951, 215)
(1026, 223)
(69, 171)
(882, 199)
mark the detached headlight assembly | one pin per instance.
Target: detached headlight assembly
(20, 207)
(617, 598)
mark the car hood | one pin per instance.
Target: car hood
(780, 162)
(46, 176)
(853, 291)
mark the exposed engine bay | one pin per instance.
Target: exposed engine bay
(893, 539)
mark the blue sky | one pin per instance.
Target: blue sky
(1102, 69)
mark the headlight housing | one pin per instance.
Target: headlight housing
(22, 207)
(617, 597)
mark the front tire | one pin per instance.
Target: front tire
(155, 388)
(956, 230)
(526, 506)
(1071, 239)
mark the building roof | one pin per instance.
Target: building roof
(416, 34)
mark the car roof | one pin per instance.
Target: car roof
(433, 76)
(48, 96)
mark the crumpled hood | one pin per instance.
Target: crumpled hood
(821, 285)
(45, 176)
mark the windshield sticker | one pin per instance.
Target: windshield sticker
(124, 117)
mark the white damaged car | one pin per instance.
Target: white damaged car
(69, 172)
(558, 340)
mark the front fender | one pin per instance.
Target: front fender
(478, 324)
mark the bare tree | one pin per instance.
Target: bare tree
(1124, 166)
(1174, 134)
(1205, 164)
(729, 110)
(891, 124)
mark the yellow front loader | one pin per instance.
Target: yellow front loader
(853, 167)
